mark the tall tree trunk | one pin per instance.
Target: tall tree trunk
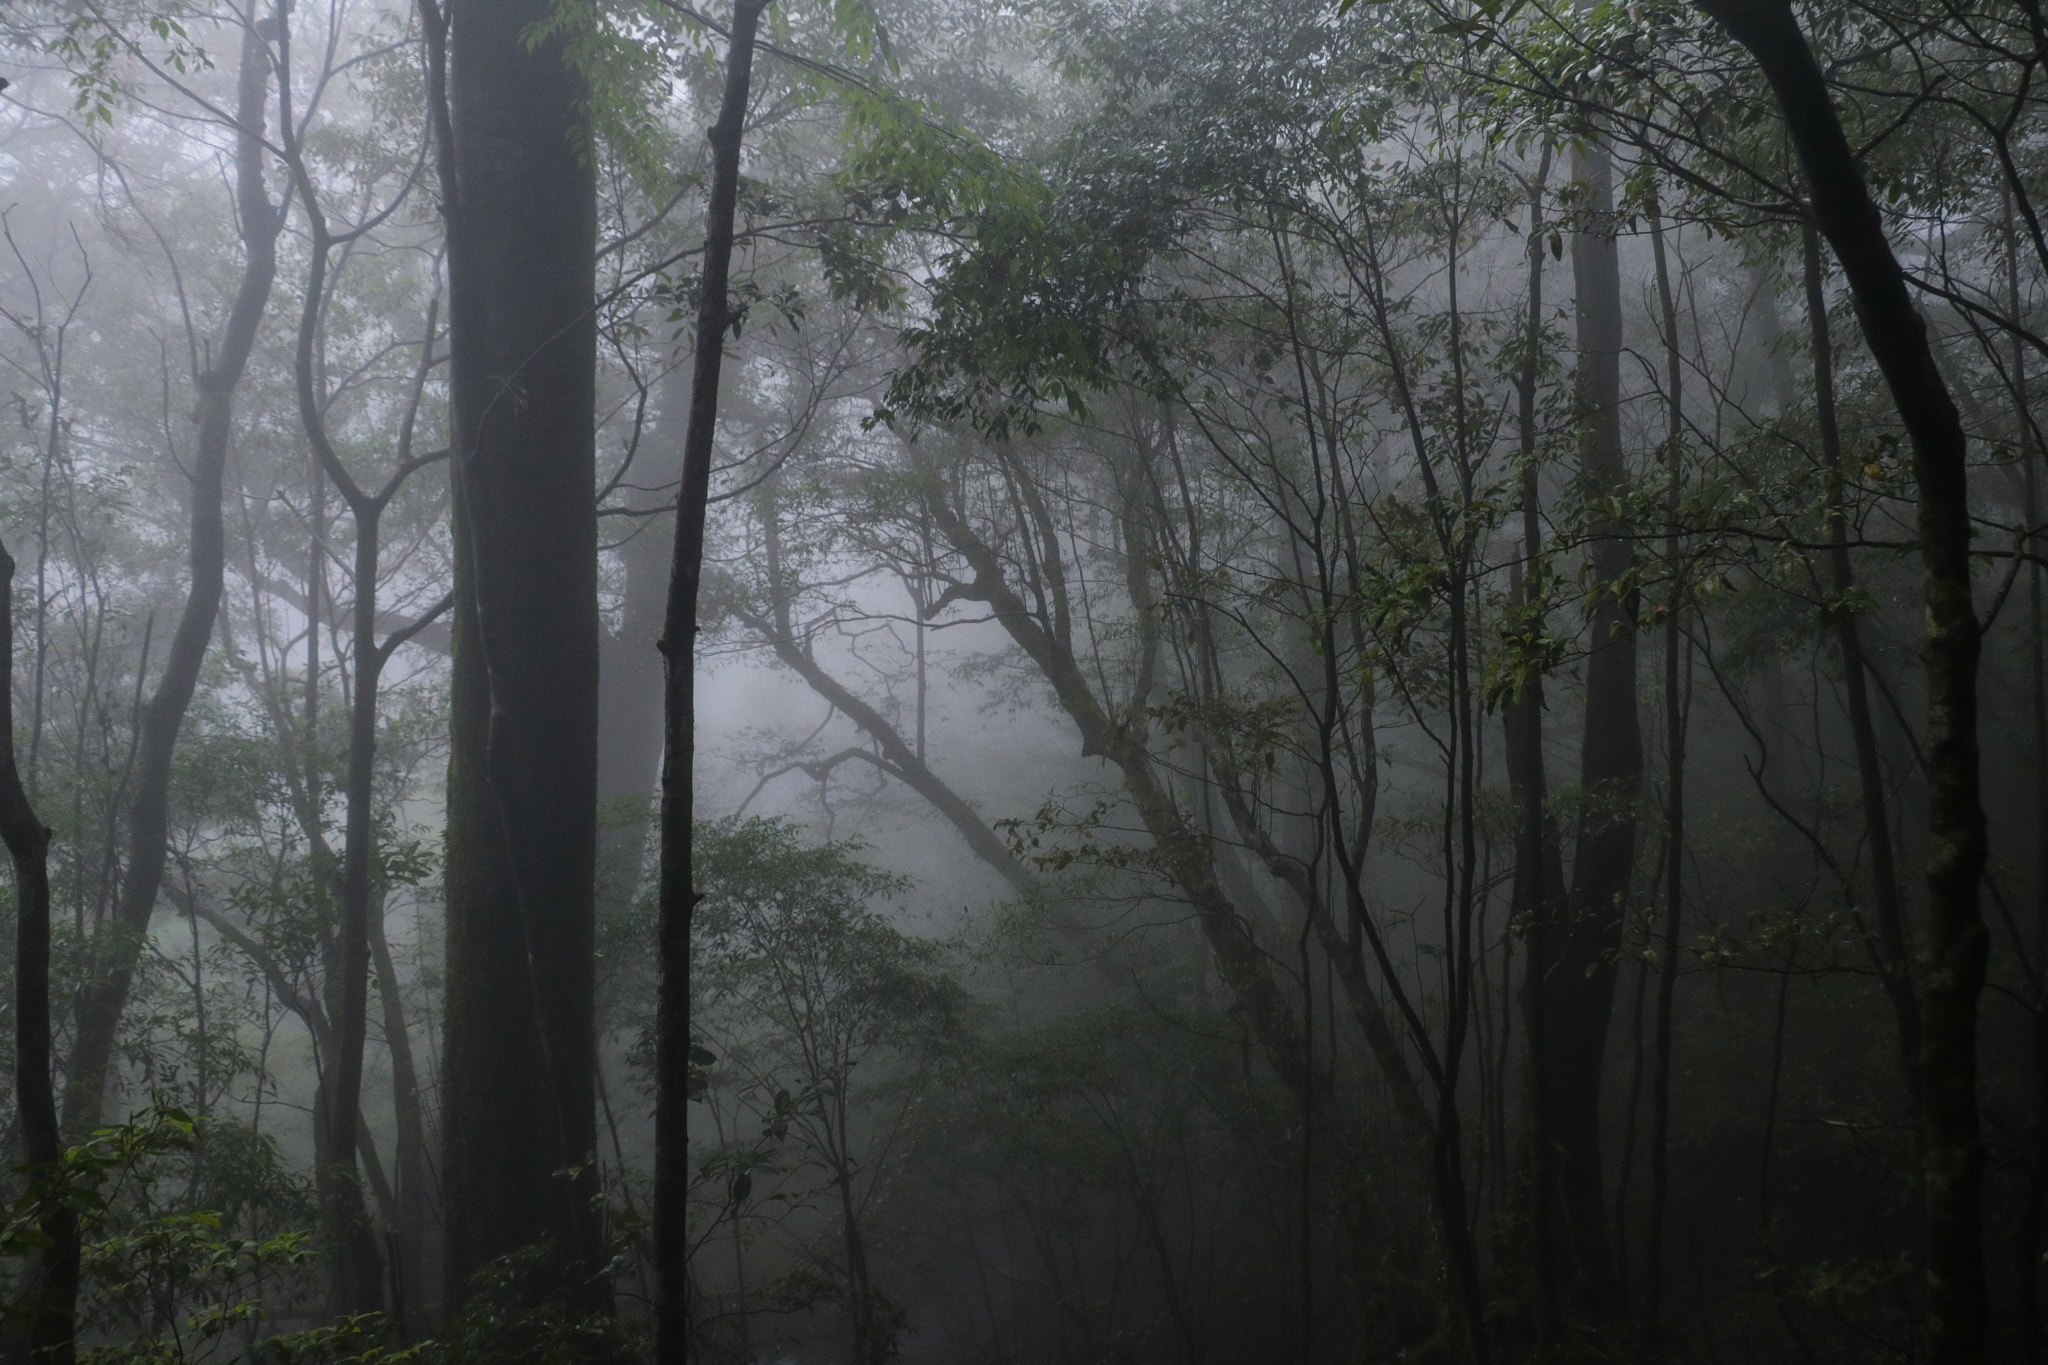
(1580, 973)
(51, 1291)
(103, 999)
(519, 1106)
(1675, 723)
(358, 1264)
(1957, 943)
(678, 894)
(358, 1280)
(1539, 871)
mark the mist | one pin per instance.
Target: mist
(917, 680)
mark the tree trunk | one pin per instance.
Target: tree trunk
(900, 758)
(1539, 863)
(1952, 1150)
(1183, 851)
(1891, 952)
(630, 678)
(678, 894)
(1579, 975)
(358, 1280)
(417, 1192)
(1676, 718)
(103, 999)
(518, 1106)
(51, 1297)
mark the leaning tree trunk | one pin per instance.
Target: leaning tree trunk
(51, 1300)
(115, 955)
(518, 1105)
(678, 893)
(1892, 957)
(1956, 943)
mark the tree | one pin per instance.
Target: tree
(52, 1300)
(358, 1265)
(517, 187)
(677, 889)
(1579, 971)
(803, 983)
(105, 996)
(1957, 942)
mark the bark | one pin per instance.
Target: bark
(1539, 861)
(105, 996)
(1891, 953)
(678, 894)
(630, 673)
(518, 1106)
(51, 1297)
(1580, 952)
(1676, 719)
(1956, 941)
(417, 1195)
(358, 1280)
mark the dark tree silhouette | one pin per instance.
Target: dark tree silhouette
(1945, 1060)
(715, 317)
(518, 1109)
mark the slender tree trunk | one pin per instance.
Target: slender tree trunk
(416, 1195)
(678, 894)
(519, 1106)
(358, 1267)
(1539, 874)
(1184, 852)
(414, 1192)
(1957, 943)
(1580, 973)
(1676, 719)
(115, 955)
(359, 1288)
(893, 754)
(860, 1291)
(1891, 953)
(52, 1288)
(630, 679)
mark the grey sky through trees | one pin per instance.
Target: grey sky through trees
(1222, 519)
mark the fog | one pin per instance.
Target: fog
(919, 680)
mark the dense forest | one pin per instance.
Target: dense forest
(1177, 681)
